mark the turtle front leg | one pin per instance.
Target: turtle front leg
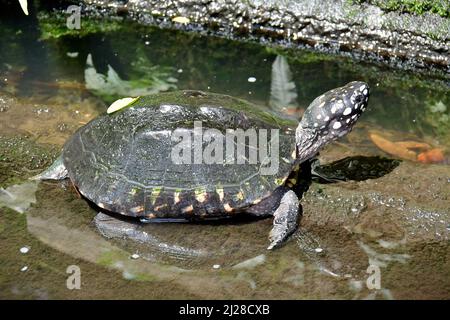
(285, 219)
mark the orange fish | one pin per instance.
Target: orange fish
(392, 148)
(431, 156)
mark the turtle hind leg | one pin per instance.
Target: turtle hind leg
(57, 171)
(285, 219)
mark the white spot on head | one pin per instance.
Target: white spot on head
(347, 111)
(251, 79)
(336, 125)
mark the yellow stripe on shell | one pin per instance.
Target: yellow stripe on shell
(187, 209)
(155, 195)
(227, 207)
(200, 195)
(220, 193)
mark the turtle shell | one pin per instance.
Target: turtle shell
(123, 161)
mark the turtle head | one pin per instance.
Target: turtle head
(330, 116)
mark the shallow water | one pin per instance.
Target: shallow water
(398, 223)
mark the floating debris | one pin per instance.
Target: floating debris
(180, 19)
(24, 250)
(329, 272)
(216, 266)
(135, 256)
(251, 263)
(72, 54)
(251, 79)
(25, 268)
(120, 104)
(318, 250)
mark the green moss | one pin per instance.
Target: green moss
(53, 26)
(109, 258)
(300, 56)
(21, 158)
(440, 7)
(438, 116)
(177, 97)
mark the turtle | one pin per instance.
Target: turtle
(189, 155)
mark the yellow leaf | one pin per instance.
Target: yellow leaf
(181, 20)
(120, 104)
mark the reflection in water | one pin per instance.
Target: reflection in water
(113, 227)
(19, 197)
(111, 86)
(283, 92)
(357, 168)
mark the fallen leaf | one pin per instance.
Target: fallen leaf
(120, 104)
(181, 20)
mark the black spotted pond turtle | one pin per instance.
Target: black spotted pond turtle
(166, 156)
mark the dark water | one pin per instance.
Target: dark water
(53, 80)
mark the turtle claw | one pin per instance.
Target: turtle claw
(285, 220)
